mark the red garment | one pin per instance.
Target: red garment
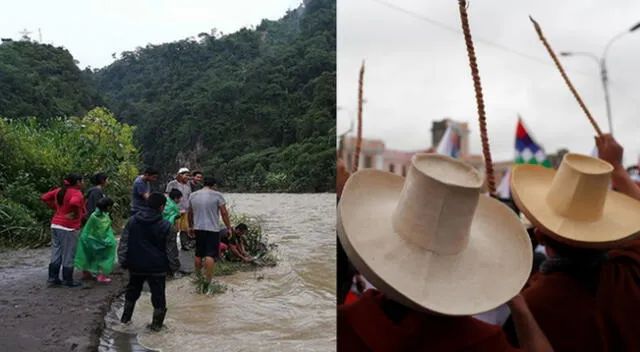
(574, 320)
(351, 296)
(72, 202)
(363, 326)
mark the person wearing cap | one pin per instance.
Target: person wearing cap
(587, 295)
(438, 252)
(181, 183)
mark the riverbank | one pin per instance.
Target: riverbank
(34, 317)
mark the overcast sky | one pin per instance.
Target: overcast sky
(417, 72)
(93, 30)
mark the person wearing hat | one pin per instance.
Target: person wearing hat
(587, 295)
(438, 252)
(610, 151)
(181, 183)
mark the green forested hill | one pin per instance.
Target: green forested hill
(255, 108)
(43, 81)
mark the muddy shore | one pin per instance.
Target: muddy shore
(34, 317)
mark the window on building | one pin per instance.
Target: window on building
(404, 170)
(368, 161)
(392, 168)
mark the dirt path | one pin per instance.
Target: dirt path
(36, 318)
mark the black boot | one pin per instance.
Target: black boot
(54, 275)
(127, 313)
(158, 319)
(67, 277)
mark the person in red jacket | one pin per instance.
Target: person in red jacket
(587, 294)
(438, 253)
(68, 203)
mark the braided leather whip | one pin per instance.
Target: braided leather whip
(565, 77)
(356, 156)
(482, 119)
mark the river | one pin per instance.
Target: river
(290, 307)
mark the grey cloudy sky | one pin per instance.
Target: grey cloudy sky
(417, 72)
(93, 30)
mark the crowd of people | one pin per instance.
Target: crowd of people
(187, 215)
(428, 263)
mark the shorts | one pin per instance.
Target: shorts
(207, 244)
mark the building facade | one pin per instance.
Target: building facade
(375, 155)
(371, 153)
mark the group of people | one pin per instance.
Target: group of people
(148, 245)
(95, 254)
(438, 266)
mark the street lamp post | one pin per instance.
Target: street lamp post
(602, 63)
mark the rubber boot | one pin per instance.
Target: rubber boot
(67, 278)
(158, 319)
(54, 275)
(127, 313)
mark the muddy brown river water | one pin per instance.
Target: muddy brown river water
(290, 307)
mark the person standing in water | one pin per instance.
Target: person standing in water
(142, 189)
(205, 208)
(95, 193)
(182, 184)
(68, 204)
(96, 251)
(148, 249)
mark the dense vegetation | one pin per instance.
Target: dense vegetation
(36, 155)
(255, 108)
(43, 81)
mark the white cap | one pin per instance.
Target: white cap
(183, 170)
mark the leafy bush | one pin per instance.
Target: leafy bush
(256, 244)
(43, 152)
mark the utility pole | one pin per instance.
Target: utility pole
(39, 35)
(602, 63)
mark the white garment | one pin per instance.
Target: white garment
(58, 227)
(367, 285)
(497, 316)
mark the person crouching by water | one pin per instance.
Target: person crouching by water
(96, 251)
(438, 252)
(206, 206)
(235, 242)
(149, 250)
(68, 204)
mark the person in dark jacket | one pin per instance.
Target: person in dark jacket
(95, 193)
(148, 249)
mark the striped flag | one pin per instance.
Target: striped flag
(527, 150)
(450, 142)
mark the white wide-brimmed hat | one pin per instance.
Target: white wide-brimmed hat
(432, 241)
(183, 170)
(574, 204)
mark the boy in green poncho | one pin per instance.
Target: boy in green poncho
(172, 210)
(96, 251)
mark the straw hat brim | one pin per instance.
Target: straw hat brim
(491, 270)
(620, 220)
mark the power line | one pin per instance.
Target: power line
(475, 38)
